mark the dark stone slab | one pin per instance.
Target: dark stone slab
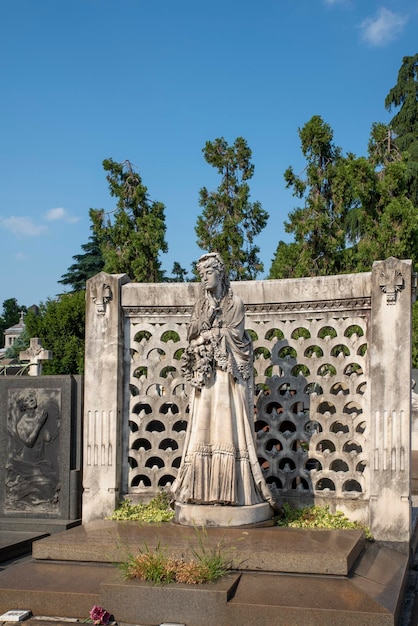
(55, 589)
(44, 526)
(40, 439)
(382, 574)
(267, 549)
(14, 543)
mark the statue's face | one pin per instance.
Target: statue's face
(28, 401)
(210, 278)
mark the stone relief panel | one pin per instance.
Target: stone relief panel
(310, 403)
(32, 480)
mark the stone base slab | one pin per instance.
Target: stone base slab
(270, 549)
(134, 601)
(371, 596)
(223, 516)
(333, 581)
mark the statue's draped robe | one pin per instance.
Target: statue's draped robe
(219, 464)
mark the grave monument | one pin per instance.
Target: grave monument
(40, 442)
(332, 371)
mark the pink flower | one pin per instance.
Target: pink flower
(99, 615)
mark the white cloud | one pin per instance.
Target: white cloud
(383, 28)
(20, 256)
(331, 2)
(60, 214)
(22, 226)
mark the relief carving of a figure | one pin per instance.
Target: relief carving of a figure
(31, 474)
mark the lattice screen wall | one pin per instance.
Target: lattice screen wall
(310, 400)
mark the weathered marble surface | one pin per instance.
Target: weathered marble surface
(219, 464)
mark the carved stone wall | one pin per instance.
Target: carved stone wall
(319, 436)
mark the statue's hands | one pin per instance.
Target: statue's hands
(199, 341)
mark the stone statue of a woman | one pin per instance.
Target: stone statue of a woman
(219, 464)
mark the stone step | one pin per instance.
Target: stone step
(371, 595)
(272, 549)
(51, 589)
(37, 525)
(15, 543)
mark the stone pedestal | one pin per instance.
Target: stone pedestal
(224, 516)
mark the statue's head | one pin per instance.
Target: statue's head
(214, 261)
(26, 400)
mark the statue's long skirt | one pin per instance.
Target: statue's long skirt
(219, 463)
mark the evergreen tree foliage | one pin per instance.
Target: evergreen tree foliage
(229, 221)
(356, 209)
(86, 265)
(179, 273)
(60, 325)
(132, 242)
(318, 225)
(387, 221)
(404, 96)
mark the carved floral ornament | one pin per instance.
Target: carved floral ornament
(391, 282)
(101, 296)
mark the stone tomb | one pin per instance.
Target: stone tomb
(280, 576)
(40, 482)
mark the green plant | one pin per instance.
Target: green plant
(213, 563)
(157, 566)
(319, 517)
(151, 564)
(158, 510)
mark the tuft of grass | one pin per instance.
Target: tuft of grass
(153, 565)
(157, 566)
(319, 517)
(158, 510)
(213, 563)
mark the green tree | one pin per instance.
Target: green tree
(179, 272)
(404, 96)
(86, 265)
(132, 242)
(318, 225)
(229, 221)
(386, 222)
(356, 209)
(60, 326)
(10, 316)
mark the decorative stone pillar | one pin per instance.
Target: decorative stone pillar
(390, 400)
(103, 395)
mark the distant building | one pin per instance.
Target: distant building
(12, 333)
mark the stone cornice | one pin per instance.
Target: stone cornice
(346, 304)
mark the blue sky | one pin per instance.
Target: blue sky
(151, 81)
